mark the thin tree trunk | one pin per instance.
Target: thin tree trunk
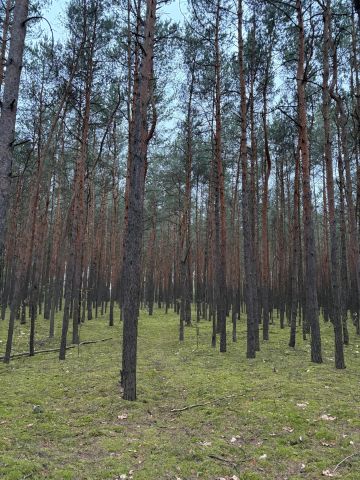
(221, 290)
(310, 261)
(335, 287)
(248, 259)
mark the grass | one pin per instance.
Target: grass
(261, 418)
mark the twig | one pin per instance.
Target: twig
(50, 350)
(225, 460)
(27, 476)
(189, 407)
(344, 460)
(195, 405)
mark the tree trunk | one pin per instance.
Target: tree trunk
(220, 225)
(335, 287)
(309, 235)
(135, 207)
(248, 258)
(9, 108)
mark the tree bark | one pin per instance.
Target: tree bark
(220, 224)
(248, 254)
(9, 108)
(309, 235)
(334, 250)
(135, 207)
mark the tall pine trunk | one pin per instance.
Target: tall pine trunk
(312, 313)
(134, 231)
(9, 107)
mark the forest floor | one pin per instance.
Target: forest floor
(275, 417)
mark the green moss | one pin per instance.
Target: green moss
(251, 408)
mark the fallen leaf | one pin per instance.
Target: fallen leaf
(327, 473)
(328, 418)
(122, 416)
(288, 429)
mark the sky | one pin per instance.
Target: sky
(53, 13)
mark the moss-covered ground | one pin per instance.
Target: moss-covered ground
(260, 419)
